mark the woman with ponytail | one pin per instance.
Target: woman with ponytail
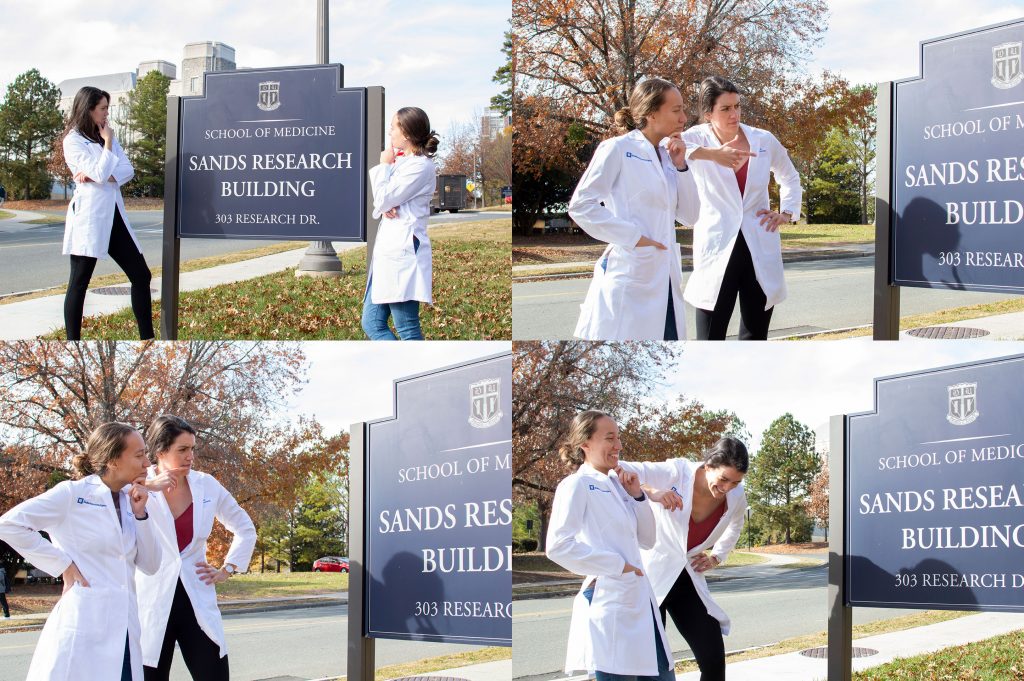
(631, 196)
(600, 519)
(96, 225)
(99, 534)
(399, 278)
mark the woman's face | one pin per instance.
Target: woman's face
(100, 112)
(132, 462)
(722, 479)
(180, 454)
(725, 116)
(398, 140)
(603, 447)
(670, 117)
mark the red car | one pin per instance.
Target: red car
(330, 564)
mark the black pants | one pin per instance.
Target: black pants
(739, 280)
(702, 632)
(202, 655)
(124, 252)
(671, 333)
(3, 603)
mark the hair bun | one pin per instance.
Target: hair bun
(431, 144)
(624, 119)
(81, 464)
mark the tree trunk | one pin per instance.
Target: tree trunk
(544, 513)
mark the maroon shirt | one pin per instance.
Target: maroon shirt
(699, 532)
(183, 528)
(741, 177)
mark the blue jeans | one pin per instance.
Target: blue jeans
(666, 671)
(406, 315)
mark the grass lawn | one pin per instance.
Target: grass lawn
(273, 585)
(995, 659)
(738, 558)
(954, 314)
(433, 664)
(790, 645)
(472, 297)
(6, 215)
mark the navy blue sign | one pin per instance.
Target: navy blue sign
(274, 154)
(958, 164)
(935, 491)
(439, 509)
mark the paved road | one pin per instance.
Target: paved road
(30, 255)
(823, 294)
(283, 645)
(763, 609)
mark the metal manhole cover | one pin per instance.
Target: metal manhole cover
(947, 332)
(822, 652)
(115, 290)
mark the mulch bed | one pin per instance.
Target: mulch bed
(32, 598)
(796, 547)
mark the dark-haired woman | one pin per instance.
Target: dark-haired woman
(178, 604)
(600, 521)
(631, 197)
(96, 225)
(737, 248)
(702, 508)
(400, 270)
(99, 534)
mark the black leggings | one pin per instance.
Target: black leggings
(703, 633)
(740, 280)
(201, 654)
(124, 252)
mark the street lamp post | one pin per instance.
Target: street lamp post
(320, 259)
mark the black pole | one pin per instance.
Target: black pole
(840, 615)
(887, 296)
(361, 663)
(171, 260)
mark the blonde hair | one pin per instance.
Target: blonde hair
(646, 98)
(105, 444)
(581, 430)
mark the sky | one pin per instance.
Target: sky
(353, 381)
(811, 380)
(870, 41)
(439, 55)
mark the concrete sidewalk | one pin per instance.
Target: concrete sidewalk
(32, 318)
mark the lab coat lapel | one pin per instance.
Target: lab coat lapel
(649, 149)
(754, 140)
(100, 494)
(196, 487)
(614, 487)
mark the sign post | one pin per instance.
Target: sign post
(929, 493)
(276, 153)
(431, 524)
(948, 198)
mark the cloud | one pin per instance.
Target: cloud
(439, 56)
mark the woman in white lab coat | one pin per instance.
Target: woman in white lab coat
(600, 519)
(631, 197)
(703, 507)
(178, 603)
(96, 224)
(400, 269)
(99, 533)
(737, 248)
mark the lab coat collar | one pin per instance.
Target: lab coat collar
(638, 137)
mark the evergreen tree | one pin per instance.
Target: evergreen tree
(778, 482)
(503, 76)
(146, 118)
(30, 121)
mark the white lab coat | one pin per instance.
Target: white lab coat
(399, 271)
(156, 592)
(665, 562)
(628, 296)
(84, 636)
(723, 213)
(90, 216)
(596, 528)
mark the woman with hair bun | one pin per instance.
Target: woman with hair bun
(737, 247)
(600, 520)
(700, 506)
(96, 226)
(631, 197)
(99, 534)
(399, 277)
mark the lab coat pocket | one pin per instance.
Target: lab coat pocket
(84, 614)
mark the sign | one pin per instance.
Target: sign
(506, 192)
(935, 491)
(439, 508)
(274, 154)
(958, 165)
